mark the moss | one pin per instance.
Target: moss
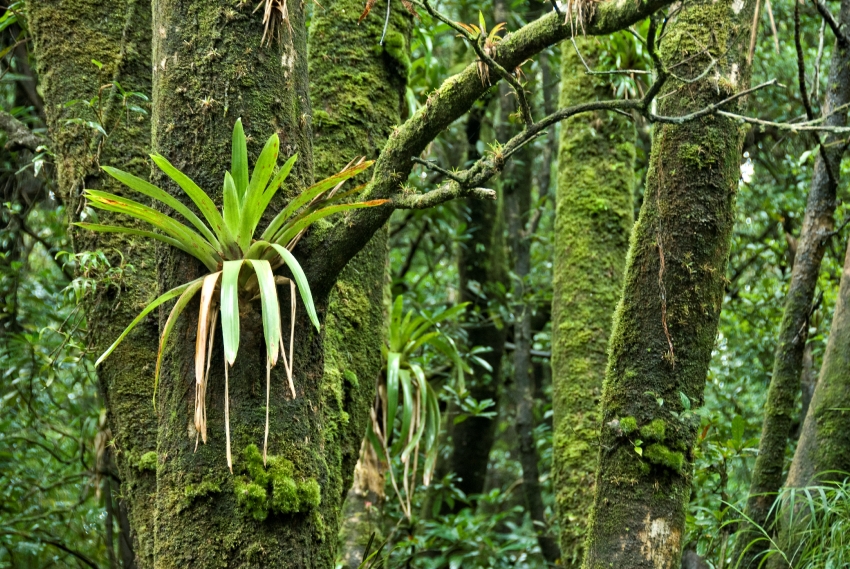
(628, 425)
(253, 498)
(661, 455)
(205, 488)
(285, 498)
(309, 493)
(654, 431)
(396, 47)
(148, 461)
(281, 493)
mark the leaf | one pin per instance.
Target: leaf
(481, 22)
(309, 194)
(263, 170)
(165, 297)
(393, 362)
(239, 159)
(254, 212)
(193, 242)
(201, 199)
(288, 232)
(148, 189)
(97, 64)
(407, 410)
(738, 426)
(207, 291)
(130, 231)
(366, 9)
(188, 294)
(685, 400)
(232, 207)
(230, 309)
(301, 281)
(271, 307)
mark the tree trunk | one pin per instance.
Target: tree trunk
(780, 411)
(211, 68)
(68, 35)
(350, 121)
(665, 325)
(593, 219)
(481, 266)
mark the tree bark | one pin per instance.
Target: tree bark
(68, 35)
(358, 88)
(780, 410)
(666, 322)
(593, 219)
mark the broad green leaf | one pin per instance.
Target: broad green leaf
(263, 170)
(411, 347)
(308, 195)
(271, 307)
(190, 290)
(194, 243)
(256, 211)
(148, 189)
(232, 207)
(230, 309)
(393, 362)
(289, 231)
(301, 281)
(201, 199)
(129, 231)
(165, 297)
(395, 329)
(239, 159)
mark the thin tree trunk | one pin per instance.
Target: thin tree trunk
(780, 411)
(68, 35)
(358, 90)
(481, 266)
(665, 325)
(593, 219)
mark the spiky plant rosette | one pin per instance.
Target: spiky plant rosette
(239, 264)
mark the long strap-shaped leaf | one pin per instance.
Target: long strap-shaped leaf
(190, 290)
(204, 320)
(253, 211)
(239, 159)
(230, 309)
(130, 231)
(393, 362)
(407, 411)
(308, 194)
(196, 246)
(301, 281)
(271, 307)
(232, 204)
(263, 170)
(165, 297)
(289, 231)
(148, 189)
(201, 199)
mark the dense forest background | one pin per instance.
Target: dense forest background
(493, 498)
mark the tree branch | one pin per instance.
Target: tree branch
(831, 22)
(17, 134)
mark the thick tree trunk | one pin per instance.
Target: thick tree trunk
(358, 89)
(666, 323)
(210, 68)
(68, 35)
(481, 265)
(780, 411)
(593, 219)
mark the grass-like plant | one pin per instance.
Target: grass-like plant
(239, 265)
(406, 393)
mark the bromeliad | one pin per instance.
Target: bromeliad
(238, 264)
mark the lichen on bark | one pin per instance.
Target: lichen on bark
(593, 219)
(666, 321)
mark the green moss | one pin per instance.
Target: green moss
(396, 47)
(309, 493)
(148, 461)
(654, 431)
(661, 455)
(205, 488)
(628, 425)
(285, 497)
(253, 498)
(272, 487)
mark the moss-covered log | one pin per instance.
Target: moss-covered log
(781, 411)
(68, 35)
(666, 322)
(357, 87)
(593, 219)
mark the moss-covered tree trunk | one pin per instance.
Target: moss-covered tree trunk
(357, 87)
(210, 67)
(781, 411)
(68, 35)
(666, 322)
(593, 218)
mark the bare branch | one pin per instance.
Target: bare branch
(449, 191)
(831, 22)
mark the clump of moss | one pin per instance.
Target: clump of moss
(655, 431)
(205, 488)
(396, 47)
(661, 455)
(273, 488)
(148, 461)
(628, 425)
